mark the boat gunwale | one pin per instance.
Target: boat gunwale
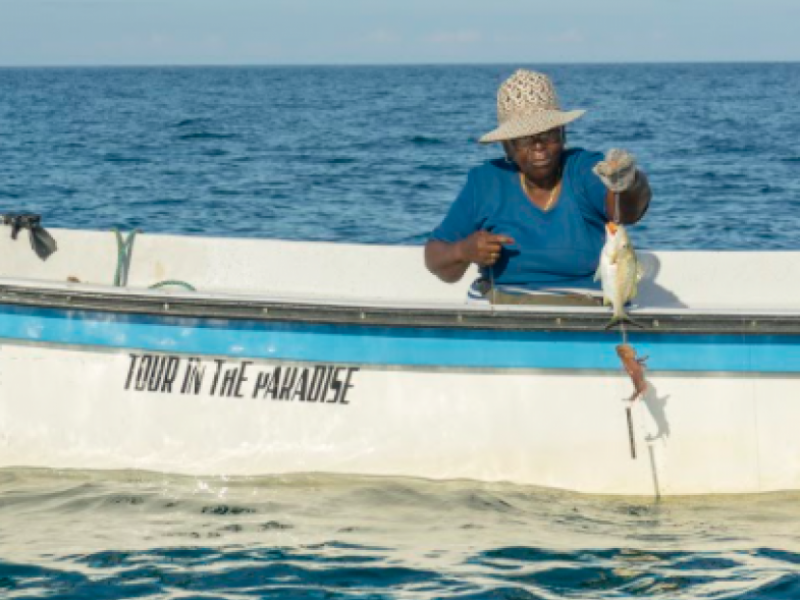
(333, 312)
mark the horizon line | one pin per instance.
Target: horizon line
(394, 64)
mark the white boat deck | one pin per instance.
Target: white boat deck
(718, 282)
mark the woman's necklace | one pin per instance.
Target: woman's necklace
(553, 192)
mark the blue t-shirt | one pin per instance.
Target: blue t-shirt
(557, 249)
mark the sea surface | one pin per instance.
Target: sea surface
(376, 155)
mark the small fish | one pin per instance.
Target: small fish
(634, 367)
(619, 271)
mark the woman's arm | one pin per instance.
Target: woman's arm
(633, 202)
(449, 261)
(446, 261)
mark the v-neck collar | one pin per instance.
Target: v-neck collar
(556, 200)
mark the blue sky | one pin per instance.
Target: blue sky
(146, 32)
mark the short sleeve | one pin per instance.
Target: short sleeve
(460, 220)
(589, 186)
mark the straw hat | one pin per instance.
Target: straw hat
(526, 105)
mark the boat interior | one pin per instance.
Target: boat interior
(324, 272)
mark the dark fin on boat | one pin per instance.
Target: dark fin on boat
(42, 242)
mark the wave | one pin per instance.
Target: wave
(381, 537)
(207, 136)
(224, 192)
(189, 122)
(426, 141)
(124, 159)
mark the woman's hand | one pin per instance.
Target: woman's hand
(449, 261)
(483, 248)
(617, 171)
(628, 189)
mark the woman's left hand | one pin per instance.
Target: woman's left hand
(617, 171)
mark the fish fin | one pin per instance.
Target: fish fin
(648, 264)
(623, 319)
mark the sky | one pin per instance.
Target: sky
(291, 32)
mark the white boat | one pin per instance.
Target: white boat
(343, 358)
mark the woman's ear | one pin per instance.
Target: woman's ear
(508, 157)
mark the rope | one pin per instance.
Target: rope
(124, 255)
(177, 282)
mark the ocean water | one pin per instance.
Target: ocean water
(137, 535)
(375, 155)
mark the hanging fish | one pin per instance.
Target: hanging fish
(619, 271)
(634, 367)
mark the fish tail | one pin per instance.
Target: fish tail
(622, 319)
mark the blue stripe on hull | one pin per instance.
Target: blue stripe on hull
(398, 346)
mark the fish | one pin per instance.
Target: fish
(619, 272)
(634, 366)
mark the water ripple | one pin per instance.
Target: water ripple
(349, 537)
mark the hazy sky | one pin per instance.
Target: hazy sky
(145, 32)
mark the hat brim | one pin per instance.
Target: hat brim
(531, 124)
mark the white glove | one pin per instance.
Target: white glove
(617, 171)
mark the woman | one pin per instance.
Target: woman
(535, 221)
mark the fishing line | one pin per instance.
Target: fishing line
(616, 222)
(490, 268)
(624, 332)
(493, 301)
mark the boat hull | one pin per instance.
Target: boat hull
(215, 396)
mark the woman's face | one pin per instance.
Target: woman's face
(537, 156)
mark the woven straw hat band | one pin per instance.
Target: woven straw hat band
(527, 104)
